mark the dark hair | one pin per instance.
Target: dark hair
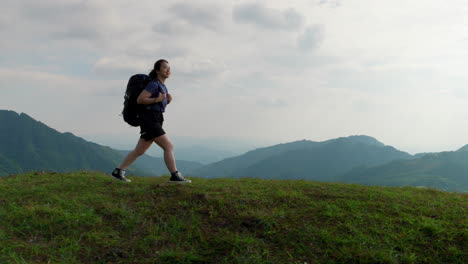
(157, 66)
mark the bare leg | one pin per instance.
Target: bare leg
(139, 150)
(165, 143)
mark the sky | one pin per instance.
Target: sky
(259, 71)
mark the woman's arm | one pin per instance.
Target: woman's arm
(145, 98)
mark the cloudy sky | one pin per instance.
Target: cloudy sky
(271, 71)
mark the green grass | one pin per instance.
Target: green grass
(86, 217)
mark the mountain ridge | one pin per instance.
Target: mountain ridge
(30, 145)
(271, 158)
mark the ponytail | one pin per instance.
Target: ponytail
(153, 74)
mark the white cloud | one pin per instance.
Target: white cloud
(207, 16)
(65, 19)
(173, 27)
(282, 70)
(267, 18)
(331, 3)
(311, 38)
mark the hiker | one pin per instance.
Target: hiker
(153, 101)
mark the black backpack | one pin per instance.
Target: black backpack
(131, 109)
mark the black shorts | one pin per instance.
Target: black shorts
(151, 124)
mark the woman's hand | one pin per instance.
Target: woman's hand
(160, 97)
(169, 98)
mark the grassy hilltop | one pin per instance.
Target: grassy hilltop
(87, 217)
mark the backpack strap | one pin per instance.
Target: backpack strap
(159, 91)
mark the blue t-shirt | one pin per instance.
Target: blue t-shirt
(156, 87)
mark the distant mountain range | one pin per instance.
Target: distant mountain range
(354, 159)
(29, 145)
(305, 159)
(201, 150)
(155, 166)
(197, 153)
(444, 170)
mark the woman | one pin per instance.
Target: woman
(155, 98)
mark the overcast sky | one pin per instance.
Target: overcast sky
(271, 70)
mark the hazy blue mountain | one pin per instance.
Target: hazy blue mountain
(202, 150)
(366, 140)
(8, 166)
(202, 154)
(463, 149)
(157, 167)
(29, 145)
(444, 170)
(226, 167)
(322, 162)
(196, 153)
(305, 159)
(420, 155)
